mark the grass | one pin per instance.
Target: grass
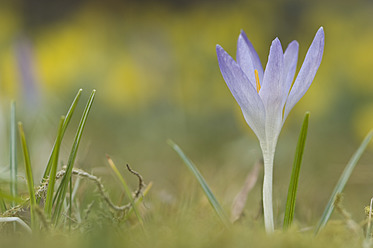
(206, 189)
(66, 180)
(29, 176)
(75, 208)
(13, 152)
(45, 205)
(293, 186)
(53, 172)
(168, 228)
(342, 182)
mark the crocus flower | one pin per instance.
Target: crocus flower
(267, 96)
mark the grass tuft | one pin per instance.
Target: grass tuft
(64, 127)
(62, 190)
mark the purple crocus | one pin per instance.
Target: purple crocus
(267, 96)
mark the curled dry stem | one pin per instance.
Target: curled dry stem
(141, 181)
(41, 191)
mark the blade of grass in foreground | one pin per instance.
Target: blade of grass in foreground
(61, 193)
(293, 186)
(3, 207)
(13, 152)
(64, 127)
(126, 188)
(342, 181)
(52, 176)
(30, 180)
(206, 189)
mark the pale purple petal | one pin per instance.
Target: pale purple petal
(272, 92)
(272, 85)
(248, 59)
(307, 71)
(243, 91)
(290, 63)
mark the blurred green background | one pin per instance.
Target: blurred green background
(154, 66)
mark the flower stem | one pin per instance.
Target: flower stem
(268, 156)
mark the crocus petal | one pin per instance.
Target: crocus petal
(243, 91)
(307, 71)
(271, 86)
(290, 63)
(248, 59)
(272, 92)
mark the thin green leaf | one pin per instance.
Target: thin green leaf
(52, 177)
(70, 201)
(293, 186)
(342, 181)
(13, 151)
(61, 193)
(126, 188)
(30, 180)
(3, 207)
(64, 127)
(206, 189)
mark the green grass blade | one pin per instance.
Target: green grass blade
(61, 193)
(342, 181)
(293, 186)
(64, 127)
(126, 188)
(13, 151)
(70, 201)
(3, 207)
(52, 176)
(206, 189)
(30, 180)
